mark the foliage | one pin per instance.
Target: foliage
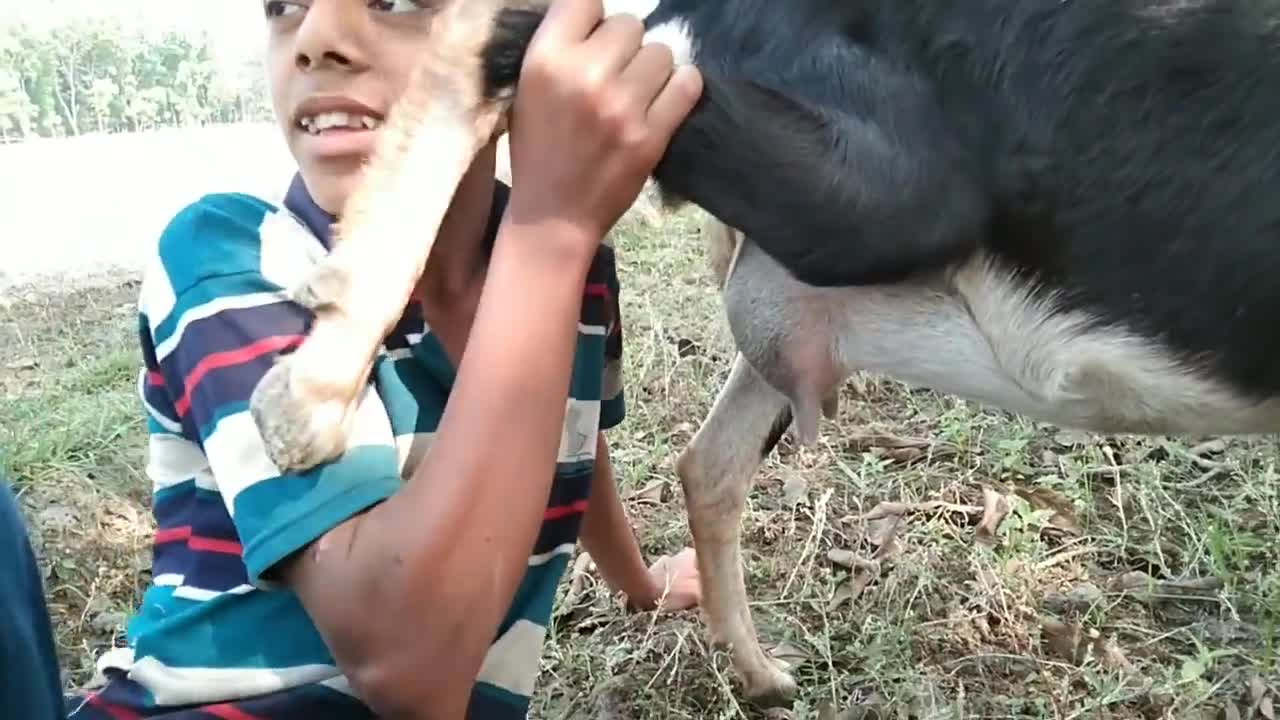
(91, 74)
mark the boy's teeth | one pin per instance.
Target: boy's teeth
(324, 121)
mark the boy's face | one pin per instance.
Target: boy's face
(335, 68)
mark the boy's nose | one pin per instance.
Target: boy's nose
(330, 36)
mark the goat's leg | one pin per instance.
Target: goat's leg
(716, 470)
(304, 404)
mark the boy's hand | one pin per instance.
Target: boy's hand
(675, 581)
(591, 119)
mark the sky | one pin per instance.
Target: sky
(235, 27)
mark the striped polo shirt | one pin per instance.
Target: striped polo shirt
(211, 638)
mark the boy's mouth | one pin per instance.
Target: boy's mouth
(338, 121)
(333, 127)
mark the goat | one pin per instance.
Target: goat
(1067, 210)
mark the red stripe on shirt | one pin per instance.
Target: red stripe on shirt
(114, 711)
(213, 361)
(226, 547)
(155, 378)
(195, 542)
(228, 712)
(172, 534)
(555, 513)
(597, 289)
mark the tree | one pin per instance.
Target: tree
(90, 74)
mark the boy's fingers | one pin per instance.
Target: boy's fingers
(676, 99)
(615, 42)
(646, 75)
(567, 22)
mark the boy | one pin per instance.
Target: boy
(393, 582)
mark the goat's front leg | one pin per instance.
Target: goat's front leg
(304, 404)
(716, 471)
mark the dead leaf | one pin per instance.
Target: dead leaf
(905, 455)
(651, 493)
(1063, 640)
(794, 490)
(882, 530)
(1071, 438)
(865, 712)
(1063, 517)
(1253, 519)
(1211, 447)
(1110, 654)
(887, 508)
(1077, 599)
(1231, 712)
(864, 571)
(845, 558)
(900, 449)
(578, 577)
(842, 594)
(1147, 589)
(826, 711)
(789, 655)
(1260, 699)
(23, 364)
(862, 577)
(995, 508)
(883, 535)
(862, 443)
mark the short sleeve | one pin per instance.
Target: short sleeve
(215, 316)
(612, 398)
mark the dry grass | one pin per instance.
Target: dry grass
(1049, 618)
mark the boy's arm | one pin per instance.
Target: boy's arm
(423, 579)
(608, 537)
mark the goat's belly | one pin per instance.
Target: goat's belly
(984, 338)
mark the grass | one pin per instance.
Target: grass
(1129, 577)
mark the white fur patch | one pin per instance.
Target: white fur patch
(675, 35)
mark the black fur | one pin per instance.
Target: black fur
(1123, 154)
(779, 428)
(503, 54)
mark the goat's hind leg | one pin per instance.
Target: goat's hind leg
(716, 470)
(453, 106)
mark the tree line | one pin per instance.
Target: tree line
(94, 75)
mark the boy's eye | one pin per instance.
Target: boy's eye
(394, 6)
(280, 8)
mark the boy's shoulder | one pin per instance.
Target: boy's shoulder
(229, 239)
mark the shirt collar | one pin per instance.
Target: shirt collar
(298, 201)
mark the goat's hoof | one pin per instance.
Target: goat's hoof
(300, 427)
(770, 687)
